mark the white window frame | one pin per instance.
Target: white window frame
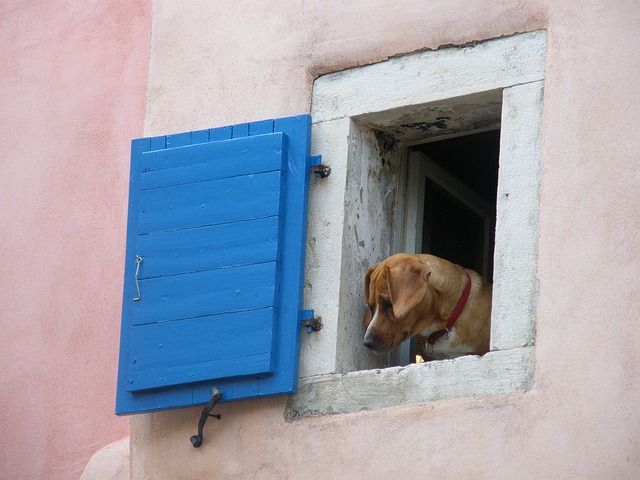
(336, 373)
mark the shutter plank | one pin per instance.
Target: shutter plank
(209, 203)
(205, 293)
(220, 133)
(203, 348)
(200, 136)
(213, 160)
(240, 130)
(261, 128)
(206, 248)
(178, 139)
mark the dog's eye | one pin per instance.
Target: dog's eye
(386, 304)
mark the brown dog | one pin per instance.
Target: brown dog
(445, 305)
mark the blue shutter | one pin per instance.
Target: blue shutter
(215, 247)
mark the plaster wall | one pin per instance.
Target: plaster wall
(72, 95)
(215, 63)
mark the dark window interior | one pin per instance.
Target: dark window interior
(473, 159)
(450, 229)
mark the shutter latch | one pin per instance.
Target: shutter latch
(138, 262)
(318, 168)
(309, 320)
(196, 440)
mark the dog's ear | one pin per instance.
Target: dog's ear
(443, 278)
(407, 285)
(367, 282)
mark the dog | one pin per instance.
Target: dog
(445, 306)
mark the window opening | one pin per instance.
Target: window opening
(456, 181)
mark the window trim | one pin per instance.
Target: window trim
(371, 96)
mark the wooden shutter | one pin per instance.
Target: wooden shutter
(215, 252)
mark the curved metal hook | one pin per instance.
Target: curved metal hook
(216, 395)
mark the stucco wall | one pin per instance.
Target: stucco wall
(214, 63)
(73, 71)
(72, 95)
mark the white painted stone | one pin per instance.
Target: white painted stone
(324, 246)
(430, 76)
(515, 289)
(494, 373)
(370, 206)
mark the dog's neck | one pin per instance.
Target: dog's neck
(433, 335)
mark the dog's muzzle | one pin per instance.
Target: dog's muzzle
(373, 342)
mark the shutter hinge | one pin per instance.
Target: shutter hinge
(309, 320)
(318, 168)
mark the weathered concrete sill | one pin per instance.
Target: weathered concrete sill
(497, 372)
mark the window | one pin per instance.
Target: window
(377, 126)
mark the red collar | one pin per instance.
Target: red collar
(454, 315)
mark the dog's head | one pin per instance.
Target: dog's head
(400, 300)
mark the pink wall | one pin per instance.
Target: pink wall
(72, 95)
(581, 419)
(72, 90)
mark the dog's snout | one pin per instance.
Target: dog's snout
(370, 342)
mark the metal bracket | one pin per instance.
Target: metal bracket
(318, 168)
(196, 440)
(309, 320)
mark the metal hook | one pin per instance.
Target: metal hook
(138, 262)
(196, 440)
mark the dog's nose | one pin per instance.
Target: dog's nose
(370, 342)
